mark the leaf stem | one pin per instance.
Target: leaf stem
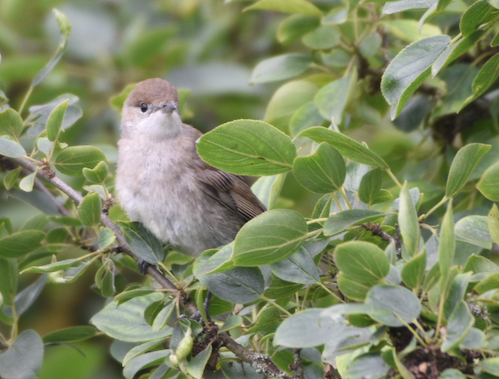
(270, 301)
(314, 220)
(25, 100)
(415, 333)
(435, 207)
(330, 292)
(394, 178)
(335, 198)
(344, 196)
(440, 314)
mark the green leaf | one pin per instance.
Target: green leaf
(11, 123)
(409, 223)
(365, 366)
(348, 147)
(54, 122)
(106, 238)
(240, 285)
(414, 270)
(305, 117)
(140, 349)
(410, 30)
(126, 321)
(306, 329)
(144, 360)
(370, 186)
(457, 291)
(65, 29)
(269, 237)
(281, 67)
(490, 365)
(362, 265)
(8, 280)
(402, 5)
(296, 26)
(248, 147)
(27, 183)
(337, 223)
(404, 372)
(397, 300)
(287, 6)
(447, 245)
(280, 289)
(89, 210)
(98, 174)
(232, 322)
(72, 160)
(324, 37)
(53, 267)
(213, 261)
(10, 178)
(336, 16)
(21, 243)
(409, 69)
(268, 189)
(324, 171)
(493, 222)
(143, 243)
(460, 323)
(11, 148)
(24, 358)
(298, 268)
(286, 100)
(196, 366)
(332, 98)
(474, 230)
(71, 334)
(465, 161)
(477, 14)
(485, 78)
(488, 184)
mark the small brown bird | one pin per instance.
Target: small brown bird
(164, 184)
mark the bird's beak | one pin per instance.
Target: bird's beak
(171, 106)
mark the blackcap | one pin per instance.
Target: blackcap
(164, 184)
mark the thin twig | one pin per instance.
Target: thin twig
(297, 365)
(260, 362)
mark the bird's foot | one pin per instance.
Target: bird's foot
(143, 266)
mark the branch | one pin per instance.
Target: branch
(261, 362)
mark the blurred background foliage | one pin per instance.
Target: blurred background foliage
(205, 47)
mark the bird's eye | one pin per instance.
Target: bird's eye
(143, 107)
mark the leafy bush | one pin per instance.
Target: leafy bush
(391, 275)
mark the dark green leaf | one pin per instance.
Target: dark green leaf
(409, 69)
(54, 122)
(27, 297)
(21, 243)
(196, 366)
(143, 243)
(72, 334)
(465, 161)
(11, 123)
(8, 280)
(270, 237)
(10, 179)
(489, 183)
(322, 38)
(305, 117)
(281, 67)
(324, 171)
(98, 174)
(239, 286)
(248, 147)
(493, 222)
(337, 223)
(457, 291)
(370, 186)
(89, 210)
(477, 14)
(144, 360)
(72, 160)
(347, 146)
(268, 189)
(280, 289)
(24, 358)
(366, 366)
(447, 244)
(485, 78)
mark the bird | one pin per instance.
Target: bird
(163, 183)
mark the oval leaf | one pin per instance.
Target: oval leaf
(248, 147)
(322, 172)
(281, 67)
(488, 184)
(72, 334)
(348, 147)
(143, 243)
(287, 6)
(337, 223)
(11, 148)
(465, 161)
(11, 123)
(460, 323)
(72, 160)
(89, 210)
(408, 221)
(269, 237)
(24, 358)
(21, 243)
(409, 69)
(54, 122)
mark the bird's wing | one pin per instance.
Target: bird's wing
(230, 190)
